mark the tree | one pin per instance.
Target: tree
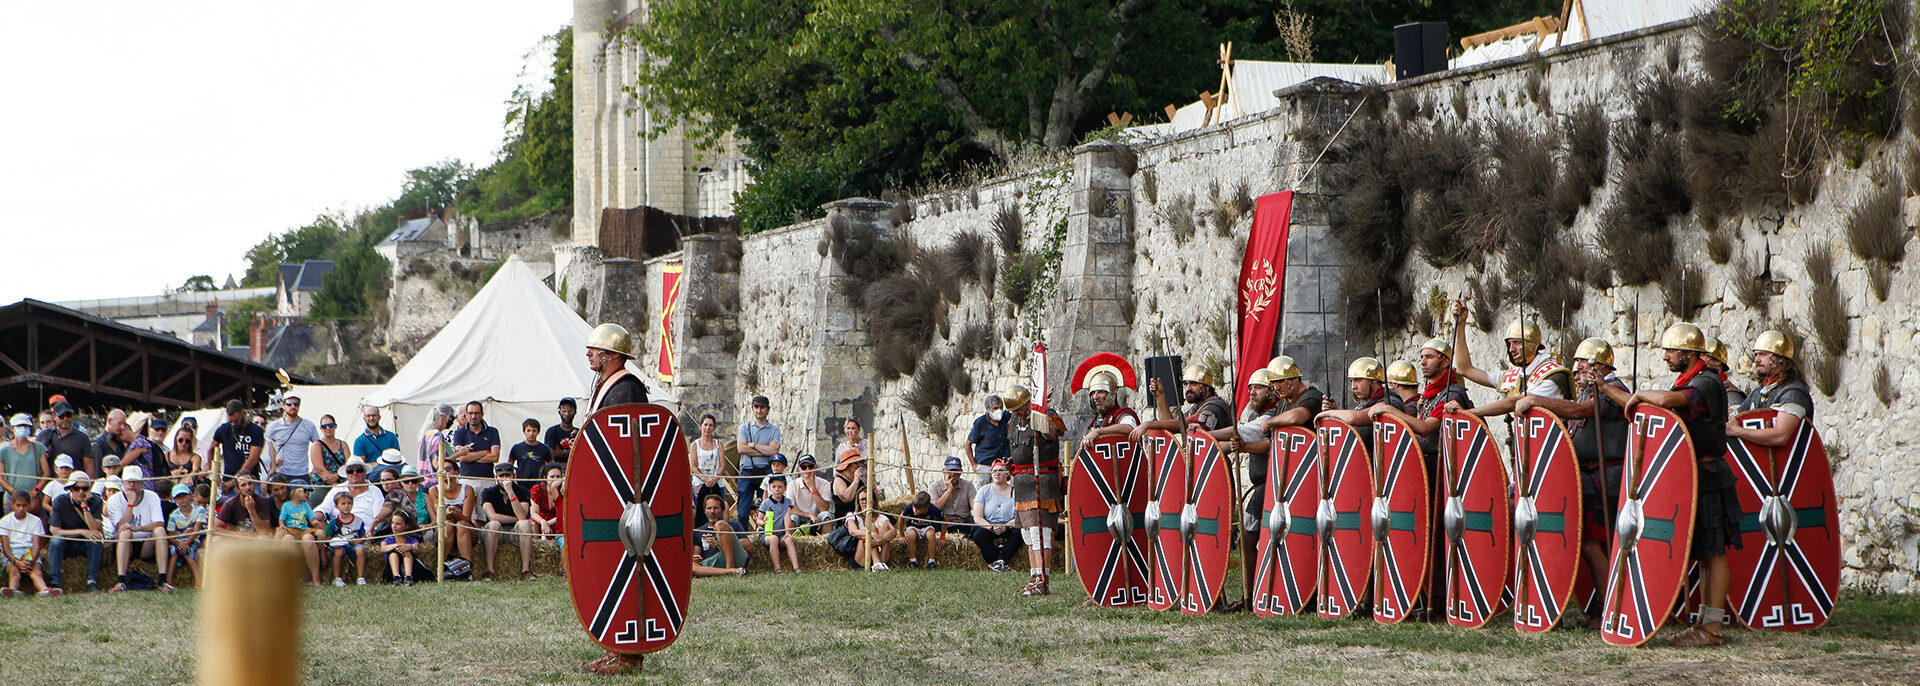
(843, 97)
(432, 187)
(197, 283)
(534, 174)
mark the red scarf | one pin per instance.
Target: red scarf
(1699, 363)
(1436, 385)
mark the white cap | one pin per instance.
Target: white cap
(64, 460)
(78, 477)
(354, 460)
(21, 420)
(389, 456)
(132, 473)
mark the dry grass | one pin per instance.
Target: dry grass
(1751, 286)
(1875, 229)
(1825, 307)
(1179, 217)
(1008, 226)
(1150, 185)
(1824, 371)
(1883, 386)
(1681, 284)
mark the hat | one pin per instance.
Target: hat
(138, 422)
(110, 461)
(953, 464)
(157, 424)
(409, 470)
(189, 423)
(761, 401)
(181, 489)
(778, 457)
(299, 482)
(391, 456)
(568, 401)
(21, 420)
(782, 478)
(1002, 463)
(75, 478)
(56, 398)
(111, 483)
(499, 467)
(354, 461)
(64, 460)
(806, 461)
(62, 408)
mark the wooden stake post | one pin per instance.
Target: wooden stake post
(440, 520)
(872, 505)
(236, 648)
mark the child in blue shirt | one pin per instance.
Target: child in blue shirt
(187, 518)
(778, 527)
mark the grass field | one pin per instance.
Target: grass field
(909, 627)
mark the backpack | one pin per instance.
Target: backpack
(459, 569)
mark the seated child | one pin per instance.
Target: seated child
(777, 527)
(401, 548)
(24, 537)
(345, 530)
(184, 529)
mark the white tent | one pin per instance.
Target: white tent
(516, 347)
(1250, 91)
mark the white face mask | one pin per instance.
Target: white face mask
(999, 415)
(22, 431)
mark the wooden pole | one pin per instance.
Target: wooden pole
(236, 648)
(907, 452)
(440, 520)
(872, 504)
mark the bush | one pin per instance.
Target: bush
(784, 193)
(1008, 225)
(1825, 307)
(1875, 230)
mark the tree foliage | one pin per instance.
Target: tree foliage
(197, 283)
(534, 174)
(845, 97)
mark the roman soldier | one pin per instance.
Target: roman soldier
(1403, 385)
(1441, 390)
(1717, 359)
(1250, 437)
(1102, 375)
(1036, 483)
(609, 347)
(1782, 389)
(1204, 408)
(1700, 401)
(1533, 372)
(1367, 380)
(1599, 426)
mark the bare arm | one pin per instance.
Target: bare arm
(1462, 357)
(1492, 409)
(1566, 409)
(1351, 417)
(1781, 433)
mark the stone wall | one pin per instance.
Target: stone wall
(1150, 268)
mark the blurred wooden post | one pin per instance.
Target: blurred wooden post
(236, 648)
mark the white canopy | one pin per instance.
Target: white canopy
(516, 347)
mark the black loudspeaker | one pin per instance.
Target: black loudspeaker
(1419, 49)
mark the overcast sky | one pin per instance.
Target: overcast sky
(145, 142)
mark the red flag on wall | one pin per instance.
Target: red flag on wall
(669, 296)
(1263, 273)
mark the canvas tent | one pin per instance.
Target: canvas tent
(516, 347)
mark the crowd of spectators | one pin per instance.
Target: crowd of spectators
(360, 512)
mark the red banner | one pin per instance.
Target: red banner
(1263, 273)
(669, 296)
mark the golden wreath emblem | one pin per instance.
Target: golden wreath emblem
(1257, 293)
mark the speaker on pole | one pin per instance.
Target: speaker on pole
(1419, 48)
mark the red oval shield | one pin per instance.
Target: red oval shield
(1166, 496)
(1345, 543)
(1546, 520)
(1106, 506)
(1476, 520)
(1653, 529)
(1206, 524)
(1399, 520)
(1787, 570)
(1283, 582)
(628, 482)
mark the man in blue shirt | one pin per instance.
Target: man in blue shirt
(987, 442)
(375, 440)
(759, 441)
(476, 447)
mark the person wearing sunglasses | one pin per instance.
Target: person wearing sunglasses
(288, 439)
(325, 456)
(367, 497)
